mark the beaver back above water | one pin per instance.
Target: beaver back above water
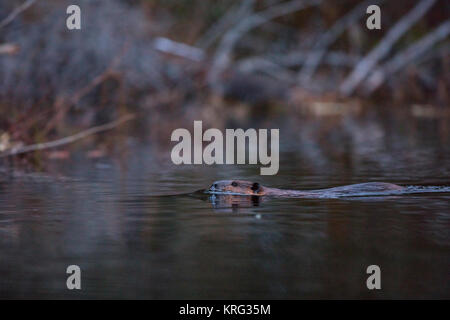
(242, 187)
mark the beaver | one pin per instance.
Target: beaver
(242, 187)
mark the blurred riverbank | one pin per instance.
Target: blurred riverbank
(227, 63)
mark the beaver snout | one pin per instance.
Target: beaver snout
(240, 187)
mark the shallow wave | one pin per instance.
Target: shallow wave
(405, 191)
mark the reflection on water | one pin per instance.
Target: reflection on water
(235, 202)
(138, 231)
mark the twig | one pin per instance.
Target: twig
(406, 56)
(367, 64)
(236, 13)
(320, 47)
(332, 58)
(69, 139)
(278, 66)
(266, 66)
(179, 49)
(24, 6)
(221, 58)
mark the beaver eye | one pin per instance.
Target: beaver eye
(215, 185)
(255, 186)
(234, 184)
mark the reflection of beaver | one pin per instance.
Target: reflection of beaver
(225, 201)
(241, 187)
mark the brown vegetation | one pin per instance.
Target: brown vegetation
(159, 58)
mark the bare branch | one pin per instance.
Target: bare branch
(69, 139)
(179, 49)
(221, 59)
(407, 56)
(232, 16)
(254, 64)
(382, 49)
(277, 65)
(24, 6)
(332, 58)
(320, 47)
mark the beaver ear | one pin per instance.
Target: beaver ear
(255, 187)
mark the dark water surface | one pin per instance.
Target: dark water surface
(136, 233)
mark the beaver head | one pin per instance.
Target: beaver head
(237, 187)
